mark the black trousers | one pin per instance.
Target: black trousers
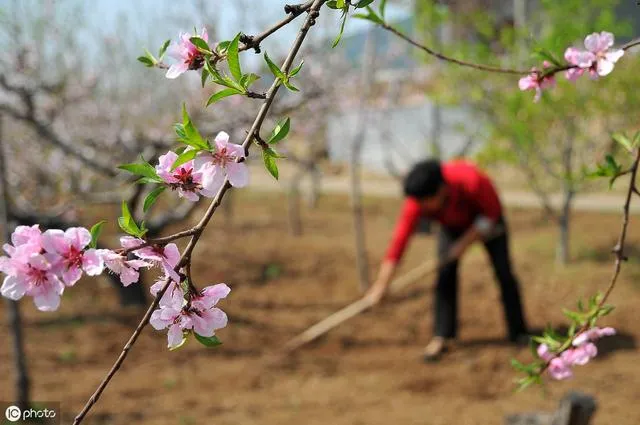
(446, 296)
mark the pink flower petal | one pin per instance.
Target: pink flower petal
(174, 336)
(238, 174)
(14, 287)
(47, 301)
(71, 276)
(53, 241)
(172, 254)
(176, 70)
(92, 263)
(78, 237)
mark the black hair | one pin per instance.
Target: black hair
(424, 179)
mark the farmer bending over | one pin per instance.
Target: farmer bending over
(465, 203)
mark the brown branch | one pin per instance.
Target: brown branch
(253, 42)
(541, 74)
(450, 59)
(199, 228)
(619, 248)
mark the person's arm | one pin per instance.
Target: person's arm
(405, 226)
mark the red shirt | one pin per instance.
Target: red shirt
(470, 194)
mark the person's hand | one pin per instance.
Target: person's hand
(376, 292)
(456, 251)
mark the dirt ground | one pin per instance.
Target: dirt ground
(367, 371)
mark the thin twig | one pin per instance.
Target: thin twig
(541, 74)
(450, 59)
(253, 42)
(199, 228)
(618, 251)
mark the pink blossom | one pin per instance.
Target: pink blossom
(544, 353)
(559, 369)
(184, 179)
(605, 57)
(169, 293)
(168, 257)
(534, 82)
(580, 355)
(29, 273)
(207, 317)
(224, 163)
(592, 335)
(170, 315)
(186, 54)
(68, 256)
(581, 59)
(198, 315)
(27, 235)
(126, 269)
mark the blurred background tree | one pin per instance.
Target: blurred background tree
(555, 144)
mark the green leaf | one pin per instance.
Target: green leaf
(344, 21)
(211, 341)
(280, 131)
(126, 222)
(144, 169)
(605, 310)
(290, 86)
(295, 70)
(146, 61)
(636, 139)
(151, 197)
(222, 46)
(370, 16)
(381, 11)
(200, 44)
(203, 77)
(544, 54)
(233, 59)
(332, 4)
(363, 3)
(221, 95)
(270, 162)
(145, 180)
(185, 156)
(163, 48)
(189, 133)
(573, 316)
(248, 79)
(95, 233)
(340, 4)
(623, 140)
(275, 69)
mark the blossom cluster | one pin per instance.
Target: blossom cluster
(205, 174)
(598, 60)
(42, 264)
(581, 351)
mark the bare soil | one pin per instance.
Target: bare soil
(367, 371)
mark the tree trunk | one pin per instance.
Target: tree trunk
(314, 190)
(362, 263)
(13, 308)
(562, 250)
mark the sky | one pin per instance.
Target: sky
(147, 23)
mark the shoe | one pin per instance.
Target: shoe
(434, 350)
